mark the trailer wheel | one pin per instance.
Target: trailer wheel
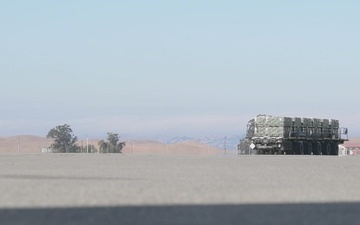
(334, 149)
(299, 150)
(317, 149)
(308, 148)
(327, 149)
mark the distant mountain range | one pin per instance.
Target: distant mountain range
(230, 143)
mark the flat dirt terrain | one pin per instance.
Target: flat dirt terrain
(34, 144)
(178, 189)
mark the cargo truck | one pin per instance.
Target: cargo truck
(292, 135)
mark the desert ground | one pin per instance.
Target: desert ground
(34, 144)
(178, 189)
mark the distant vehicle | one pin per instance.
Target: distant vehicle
(292, 135)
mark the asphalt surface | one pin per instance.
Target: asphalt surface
(178, 189)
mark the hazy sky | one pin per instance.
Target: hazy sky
(154, 69)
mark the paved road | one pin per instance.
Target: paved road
(178, 189)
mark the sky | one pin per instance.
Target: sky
(159, 69)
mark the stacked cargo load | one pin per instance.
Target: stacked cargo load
(250, 128)
(297, 127)
(275, 126)
(317, 128)
(334, 126)
(272, 126)
(325, 128)
(308, 126)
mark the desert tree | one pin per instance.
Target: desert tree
(111, 144)
(64, 139)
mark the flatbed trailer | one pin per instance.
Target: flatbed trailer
(292, 135)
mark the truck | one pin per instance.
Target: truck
(266, 134)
